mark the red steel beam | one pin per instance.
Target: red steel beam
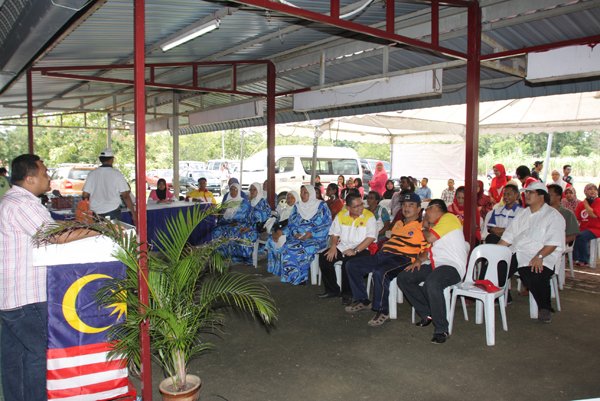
(271, 75)
(588, 40)
(353, 26)
(139, 105)
(148, 83)
(435, 22)
(472, 122)
(148, 65)
(29, 112)
(390, 16)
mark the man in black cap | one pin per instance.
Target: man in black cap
(406, 243)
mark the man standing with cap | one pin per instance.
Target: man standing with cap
(105, 187)
(537, 236)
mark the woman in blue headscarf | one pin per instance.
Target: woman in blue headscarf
(292, 249)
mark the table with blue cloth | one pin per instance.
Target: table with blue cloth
(157, 215)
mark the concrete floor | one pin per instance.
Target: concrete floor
(317, 351)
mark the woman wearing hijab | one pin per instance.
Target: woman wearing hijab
(570, 200)
(484, 202)
(588, 215)
(557, 180)
(236, 223)
(379, 180)
(498, 183)
(457, 208)
(278, 225)
(390, 189)
(161, 194)
(232, 181)
(305, 235)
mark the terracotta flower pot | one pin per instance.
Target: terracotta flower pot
(191, 393)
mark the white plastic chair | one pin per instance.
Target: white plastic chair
(593, 252)
(567, 254)
(257, 243)
(315, 270)
(494, 254)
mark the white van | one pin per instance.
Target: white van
(293, 166)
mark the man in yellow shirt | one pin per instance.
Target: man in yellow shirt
(202, 194)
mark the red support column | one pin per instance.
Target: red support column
(435, 22)
(472, 123)
(271, 75)
(29, 112)
(140, 183)
(390, 16)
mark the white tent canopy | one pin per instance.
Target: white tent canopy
(443, 128)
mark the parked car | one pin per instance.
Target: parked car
(69, 179)
(152, 177)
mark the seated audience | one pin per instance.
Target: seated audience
(448, 193)
(498, 183)
(538, 166)
(384, 222)
(334, 203)
(161, 194)
(484, 202)
(567, 174)
(588, 215)
(341, 183)
(232, 181)
(502, 215)
(279, 218)
(292, 248)
(319, 187)
(537, 236)
(569, 200)
(557, 180)
(352, 231)
(406, 186)
(240, 221)
(349, 186)
(202, 194)
(379, 181)
(390, 189)
(424, 191)
(572, 226)
(457, 208)
(406, 243)
(359, 185)
(524, 175)
(446, 266)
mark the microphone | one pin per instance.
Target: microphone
(56, 193)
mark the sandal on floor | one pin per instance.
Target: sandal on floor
(356, 306)
(379, 319)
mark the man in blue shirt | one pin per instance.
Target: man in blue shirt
(424, 192)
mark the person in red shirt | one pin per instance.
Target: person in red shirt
(498, 183)
(524, 175)
(334, 203)
(588, 215)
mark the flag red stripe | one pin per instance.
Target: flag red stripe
(65, 373)
(78, 350)
(89, 389)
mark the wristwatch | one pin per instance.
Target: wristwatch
(355, 250)
(540, 256)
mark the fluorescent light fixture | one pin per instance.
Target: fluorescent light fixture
(234, 112)
(564, 63)
(190, 34)
(420, 84)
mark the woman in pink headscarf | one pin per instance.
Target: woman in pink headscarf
(379, 179)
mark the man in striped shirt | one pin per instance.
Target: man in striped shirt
(500, 217)
(406, 243)
(23, 308)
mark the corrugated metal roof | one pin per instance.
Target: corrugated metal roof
(105, 36)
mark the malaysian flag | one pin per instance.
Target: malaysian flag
(78, 367)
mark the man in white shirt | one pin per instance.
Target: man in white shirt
(537, 236)
(352, 231)
(105, 187)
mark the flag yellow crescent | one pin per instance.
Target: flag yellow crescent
(69, 304)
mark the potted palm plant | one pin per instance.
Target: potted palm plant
(188, 287)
